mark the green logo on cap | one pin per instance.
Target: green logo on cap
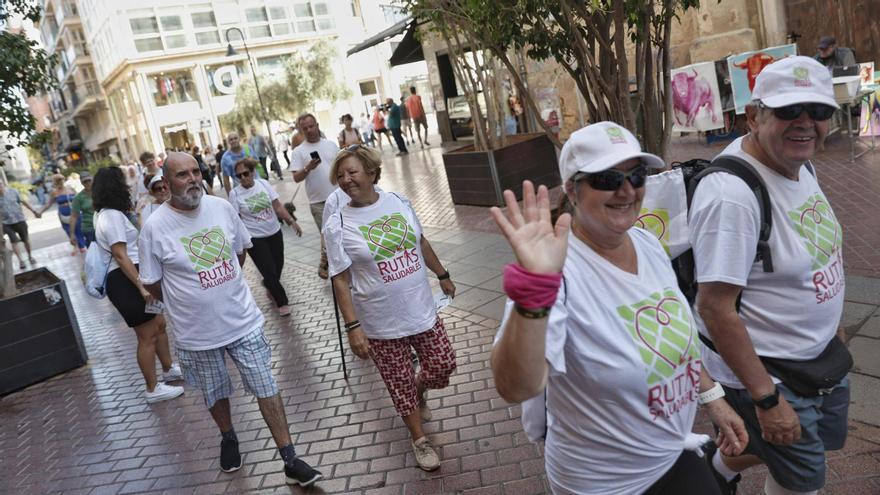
(802, 77)
(615, 135)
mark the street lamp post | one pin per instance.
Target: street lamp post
(230, 51)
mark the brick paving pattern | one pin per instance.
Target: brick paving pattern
(89, 431)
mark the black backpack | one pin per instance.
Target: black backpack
(696, 170)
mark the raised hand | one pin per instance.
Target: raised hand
(538, 245)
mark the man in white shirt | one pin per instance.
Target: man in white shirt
(755, 316)
(191, 252)
(311, 162)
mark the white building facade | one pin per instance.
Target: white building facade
(164, 66)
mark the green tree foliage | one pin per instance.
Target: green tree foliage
(590, 40)
(305, 79)
(25, 69)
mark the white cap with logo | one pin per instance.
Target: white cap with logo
(601, 146)
(794, 80)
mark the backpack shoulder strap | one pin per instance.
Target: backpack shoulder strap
(742, 169)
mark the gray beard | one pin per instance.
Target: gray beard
(190, 200)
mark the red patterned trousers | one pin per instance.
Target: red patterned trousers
(392, 357)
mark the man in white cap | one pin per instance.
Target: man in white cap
(754, 317)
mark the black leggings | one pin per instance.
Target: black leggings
(690, 475)
(268, 256)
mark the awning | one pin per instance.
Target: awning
(380, 37)
(409, 50)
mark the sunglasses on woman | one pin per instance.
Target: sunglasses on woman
(816, 111)
(612, 179)
(244, 174)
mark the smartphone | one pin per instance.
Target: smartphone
(315, 156)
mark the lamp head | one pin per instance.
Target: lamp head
(230, 51)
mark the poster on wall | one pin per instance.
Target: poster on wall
(869, 122)
(745, 67)
(696, 100)
(547, 100)
(866, 74)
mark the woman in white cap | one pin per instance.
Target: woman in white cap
(596, 321)
(158, 193)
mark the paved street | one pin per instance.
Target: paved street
(89, 431)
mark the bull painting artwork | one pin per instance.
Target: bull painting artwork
(696, 104)
(745, 67)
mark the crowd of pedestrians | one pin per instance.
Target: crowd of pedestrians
(598, 341)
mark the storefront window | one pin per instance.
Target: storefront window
(170, 88)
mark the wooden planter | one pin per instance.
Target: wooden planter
(479, 177)
(39, 335)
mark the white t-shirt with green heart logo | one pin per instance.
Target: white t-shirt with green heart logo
(380, 245)
(794, 311)
(194, 255)
(624, 362)
(254, 206)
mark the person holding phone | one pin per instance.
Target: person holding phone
(310, 162)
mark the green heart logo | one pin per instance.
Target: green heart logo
(662, 328)
(655, 221)
(258, 202)
(815, 222)
(206, 248)
(388, 235)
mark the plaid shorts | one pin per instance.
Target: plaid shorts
(392, 358)
(207, 369)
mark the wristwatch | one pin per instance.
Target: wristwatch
(768, 401)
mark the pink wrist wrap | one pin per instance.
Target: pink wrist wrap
(531, 290)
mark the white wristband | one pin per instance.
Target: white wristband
(713, 393)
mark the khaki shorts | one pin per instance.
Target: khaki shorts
(317, 210)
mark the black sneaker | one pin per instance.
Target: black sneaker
(727, 487)
(300, 473)
(230, 458)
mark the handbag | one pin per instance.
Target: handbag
(815, 376)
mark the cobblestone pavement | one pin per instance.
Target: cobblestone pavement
(89, 431)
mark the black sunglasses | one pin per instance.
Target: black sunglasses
(816, 111)
(244, 174)
(612, 180)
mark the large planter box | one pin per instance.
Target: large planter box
(39, 335)
(480, 177)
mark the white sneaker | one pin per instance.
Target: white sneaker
(426, 457)
(173, 374)
(163, 392)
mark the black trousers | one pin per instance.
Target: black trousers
(690, 475)
(268, 256)
(398, 138)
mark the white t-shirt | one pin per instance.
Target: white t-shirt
(318, 185)
(194, 255)
(794, 311)
(337, 200)
(381, 246)
(624, 362)
(254, 206)
(112, 227)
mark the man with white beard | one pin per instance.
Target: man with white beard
(192, 249)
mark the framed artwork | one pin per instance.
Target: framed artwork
(745, 67)
(696, 100)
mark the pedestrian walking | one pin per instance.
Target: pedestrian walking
(15, 223)
(378, 258)
(311, 162)
(62, 196)
(158, 194)
(230, 157)
(405, 122)
(115, 234)
(417, 113)
(192, 249)
(772, 333)
(211, 162)
(366, 129)
(393, 123)
(260, 150)
(258, 206)
(379, 128)
(348, 135)
(82, 212)
(596, 322)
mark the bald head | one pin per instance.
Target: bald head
(234, 141)
(176, 161)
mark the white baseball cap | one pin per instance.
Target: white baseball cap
(156, 178)
(601, 146)
(794, 80)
